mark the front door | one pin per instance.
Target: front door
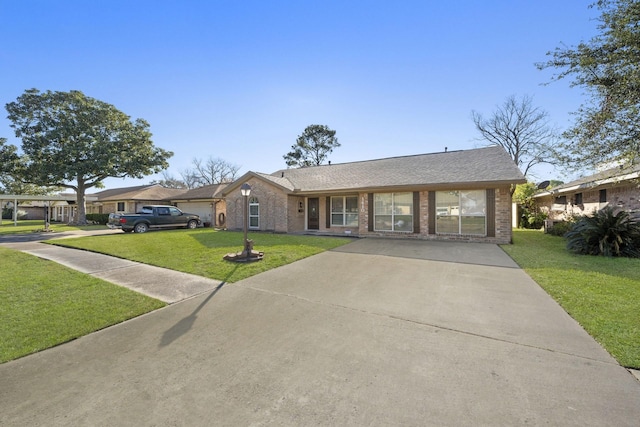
(313, 214)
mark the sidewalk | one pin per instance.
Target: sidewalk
(169, 286)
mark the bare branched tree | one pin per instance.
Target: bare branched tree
(209, 172)
(190, 179)
(521, 129)
(169, 181)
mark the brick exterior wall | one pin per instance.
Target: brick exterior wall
(625, 196)
(504, 231)
(296, 211)
(287, 214)
(273, 207)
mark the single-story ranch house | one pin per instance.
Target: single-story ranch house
(204, 201)
(131, 199)
(454, 195)
(618, 187)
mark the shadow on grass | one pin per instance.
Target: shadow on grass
(185, 324)
(218, 239)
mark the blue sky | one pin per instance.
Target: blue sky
(240, 80)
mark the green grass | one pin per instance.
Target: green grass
(44, 304)
(201, 251)
(33, 226)
(602, 294)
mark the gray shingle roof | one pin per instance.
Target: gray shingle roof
(278, 178)
(141, 192)
(204, 192)
(608, 176)
(481, 165)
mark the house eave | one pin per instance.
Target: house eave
(590, 185)
(471, 185)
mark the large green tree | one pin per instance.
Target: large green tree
(10, 163)
(312, 147)
(9, 159)
(607, 67)
(73, 141)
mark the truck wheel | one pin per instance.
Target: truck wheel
(192, 224)
(141, 228)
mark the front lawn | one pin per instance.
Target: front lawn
(201, 251)
(44, 304)
(602, 294)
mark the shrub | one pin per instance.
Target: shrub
(560, 228)
(605, 233)
(99, 218)
(530, 214)
(535, 220)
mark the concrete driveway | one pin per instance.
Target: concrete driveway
(377, 332)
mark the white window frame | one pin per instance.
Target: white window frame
(394, 222)
(254, 202)
(344, 211)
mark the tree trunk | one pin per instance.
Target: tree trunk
(81, 207)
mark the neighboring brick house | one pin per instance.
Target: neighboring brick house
(205, 201)
(617, 187)
(455, 195)
(131, 199)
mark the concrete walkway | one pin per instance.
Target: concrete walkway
(166, 285)
(377, 332)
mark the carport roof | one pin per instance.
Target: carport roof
(46, 198)
(475, 167)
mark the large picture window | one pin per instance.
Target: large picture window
(344, 211)
(393, 212)
(461, 212)
(254, 213)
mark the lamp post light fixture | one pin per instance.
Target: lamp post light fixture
(245, 190)
(247, 254)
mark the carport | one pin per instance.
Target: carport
(14, 198)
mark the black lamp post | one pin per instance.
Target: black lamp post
(245, 190)
(247, 254)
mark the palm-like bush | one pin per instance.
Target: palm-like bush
(605, 233)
